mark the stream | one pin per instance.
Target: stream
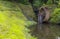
(45, 31)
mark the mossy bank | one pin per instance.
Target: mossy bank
(12, 22)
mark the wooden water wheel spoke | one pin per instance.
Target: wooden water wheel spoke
(45, 13)
(47, 16)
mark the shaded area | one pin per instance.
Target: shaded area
(46, 31)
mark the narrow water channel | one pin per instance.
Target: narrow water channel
(45, 31)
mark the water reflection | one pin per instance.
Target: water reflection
(45, 31)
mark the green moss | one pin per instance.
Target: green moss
(13, 22)
(27, 9)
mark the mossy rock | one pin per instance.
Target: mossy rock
(28, 11)
(12, 22)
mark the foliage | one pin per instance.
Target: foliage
(39, 3)
(55, 16)
(12, 22)
(19, 1)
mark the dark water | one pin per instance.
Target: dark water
(45, 31)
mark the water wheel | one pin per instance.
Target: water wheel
(43, 15)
